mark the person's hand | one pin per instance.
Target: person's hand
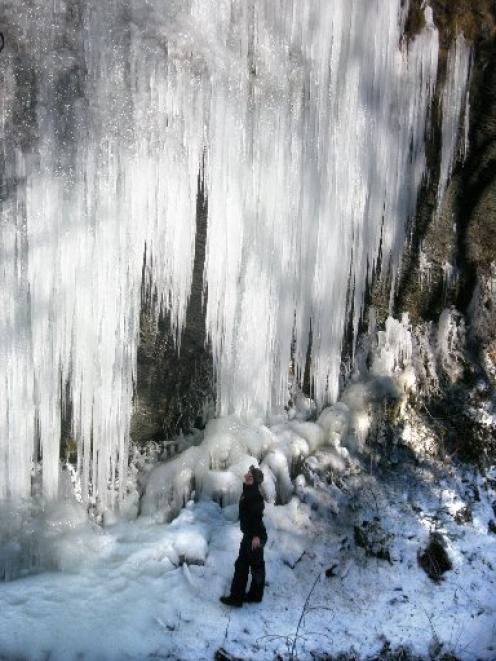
(255, 543)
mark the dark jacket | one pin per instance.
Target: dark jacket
(251, 507)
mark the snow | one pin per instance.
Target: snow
(139, 590)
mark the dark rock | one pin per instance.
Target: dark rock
(464, 515)
(434, 560)
(222, 655)
(166, 405)
(491, 526)
(373, 539)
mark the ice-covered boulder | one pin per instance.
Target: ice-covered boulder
(335, 422)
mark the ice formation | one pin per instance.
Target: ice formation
(109, 166)
(314, 202)
(394, 347)
(309, 120)
(214, 467)
(450, 277)
(455, 108)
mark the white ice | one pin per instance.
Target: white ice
(309, 120)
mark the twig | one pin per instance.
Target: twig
(227, 628)
(375, 500)
(302, 615)
(320, 608)
(429, 618)
(291, 641)
(424, 406)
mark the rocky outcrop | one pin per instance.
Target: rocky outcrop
(450, 262)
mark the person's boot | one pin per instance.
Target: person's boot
(252, 598)
(231, 601)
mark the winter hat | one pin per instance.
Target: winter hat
(258, 476)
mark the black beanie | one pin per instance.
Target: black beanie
(258, 476)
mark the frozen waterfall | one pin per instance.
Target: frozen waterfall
(309, 121)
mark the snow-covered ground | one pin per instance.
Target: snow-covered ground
(357, 507)
(139, 590)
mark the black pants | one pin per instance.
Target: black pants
(249, 559)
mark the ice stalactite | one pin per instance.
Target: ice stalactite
(394, 347)
(309, 119)
(455, 109)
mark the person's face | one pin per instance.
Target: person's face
(248, 478)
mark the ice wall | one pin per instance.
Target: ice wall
(309, 118)
(315, 157)
(101, 150)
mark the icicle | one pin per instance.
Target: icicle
(424, 270)
(455, 106)
(394, 347)
(450, 277)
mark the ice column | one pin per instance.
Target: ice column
(455, 108)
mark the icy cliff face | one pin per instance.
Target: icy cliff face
(309, 119)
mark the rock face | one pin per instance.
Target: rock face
(450, 253)
(175, 388)
(450, 261)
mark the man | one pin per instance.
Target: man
(251, 507)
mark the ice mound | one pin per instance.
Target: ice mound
(335, 422)
(214, 470)
(191, 547)
(35, 538)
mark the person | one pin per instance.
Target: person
(251, 550)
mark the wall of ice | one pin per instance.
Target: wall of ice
(309, 119)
